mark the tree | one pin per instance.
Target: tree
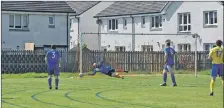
(84, 46)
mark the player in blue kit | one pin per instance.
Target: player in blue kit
(107, 70)
(169, 62)
(53, 60)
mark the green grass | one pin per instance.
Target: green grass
(30, 90)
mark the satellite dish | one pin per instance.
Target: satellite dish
(98, 21)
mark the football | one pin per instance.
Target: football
(80, 74)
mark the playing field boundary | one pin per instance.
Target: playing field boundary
(67, 96)
(98, 94)
(3, 100)
(76, 100)
(38, 100)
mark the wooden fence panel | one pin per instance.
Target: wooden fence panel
(20, 61)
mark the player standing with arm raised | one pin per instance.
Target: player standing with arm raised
(216, 55)
(53, 60)
(169, 62)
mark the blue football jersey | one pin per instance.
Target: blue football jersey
(101, 67)
(53, 57)
(170, 55)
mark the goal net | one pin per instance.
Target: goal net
(137, 52)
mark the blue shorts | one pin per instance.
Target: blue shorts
(217, 69)
(111, 71)
(53, 69)
(165, 67)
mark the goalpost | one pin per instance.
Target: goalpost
(194, 41)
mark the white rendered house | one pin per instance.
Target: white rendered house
(160, 17)
(83, 21)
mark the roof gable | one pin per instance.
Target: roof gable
(222, 2)
(81, 6)
(121, 8)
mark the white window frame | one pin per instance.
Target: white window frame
(210, 46)
(111, 25)
(147, 48)
(104, 48)
(181, 47)
(71, 24)
(205, 47)
(143, 21)
(118, 48)
(53, 20)
(21, 20)
(124, 23)
(153, 22)
(182, 25)
(213, 15)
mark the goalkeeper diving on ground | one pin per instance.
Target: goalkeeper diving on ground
(105, 69)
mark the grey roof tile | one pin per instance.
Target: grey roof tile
(120, 8)
(37, 6)
(47, 6)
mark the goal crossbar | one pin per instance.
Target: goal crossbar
(142, 33)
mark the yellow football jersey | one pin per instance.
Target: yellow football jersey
(217, 55)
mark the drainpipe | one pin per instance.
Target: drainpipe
(78, 26)
(133, 31)
(223, 21)
(99, 37)
(68, 38)
(67, 17)
(78, 44)
(77, 48)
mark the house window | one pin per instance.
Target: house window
(184, 22)
(120, 48)
(184, 47)
(104, 48)
(143, 21)
(147, 48)
(25, 21)
(51, 21)
(18, 21)
(125, 23)
(156, 22)
(208, 46)
(113, 24)
(210, 18)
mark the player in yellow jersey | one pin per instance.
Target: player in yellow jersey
(216, 55)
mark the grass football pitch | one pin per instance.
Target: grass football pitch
(30, 90)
